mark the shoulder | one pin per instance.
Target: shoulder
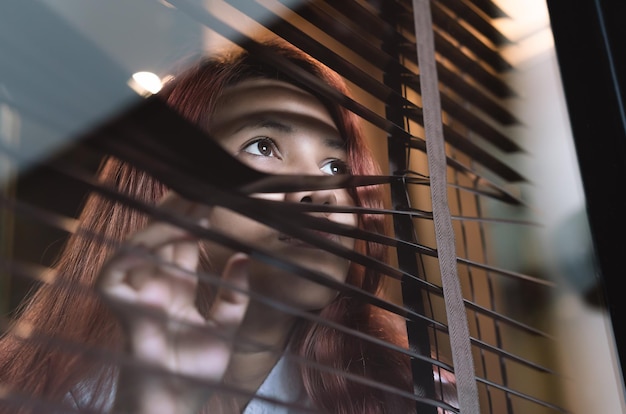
(282, 390)
(96, 392)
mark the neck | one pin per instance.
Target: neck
(263, 325)
(262, 337)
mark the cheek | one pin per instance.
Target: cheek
(240, 226)
(269, 196)
(225, 222)
(231, 223)
(345, 199)
(236, 226)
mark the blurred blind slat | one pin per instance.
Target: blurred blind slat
(372, 44)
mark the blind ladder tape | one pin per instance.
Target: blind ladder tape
(444, 233)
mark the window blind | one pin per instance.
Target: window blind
(65, 104)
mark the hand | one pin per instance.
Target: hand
(151, 286)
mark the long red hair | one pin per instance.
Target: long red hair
(39, 368)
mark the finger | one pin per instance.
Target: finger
(181, 254)
(159, 233)
(178, 263)
(115, 270)
(167, 279)
(175, 203)
(230, 305)
(181, 273)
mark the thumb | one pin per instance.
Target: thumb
(230, 305)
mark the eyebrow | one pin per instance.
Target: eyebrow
(265, 123)
(280, 126)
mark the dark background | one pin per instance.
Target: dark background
(591, 49)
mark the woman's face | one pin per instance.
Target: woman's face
(278, 128)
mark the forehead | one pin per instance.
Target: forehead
(257, 98)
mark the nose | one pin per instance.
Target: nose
(315, 197)
(307, 164)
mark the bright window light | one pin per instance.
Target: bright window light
(145, 83)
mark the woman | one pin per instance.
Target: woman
(273, 124)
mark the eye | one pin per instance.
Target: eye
(335, 167)
(262, 147)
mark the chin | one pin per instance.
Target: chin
(314, 301)
(293, 289)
